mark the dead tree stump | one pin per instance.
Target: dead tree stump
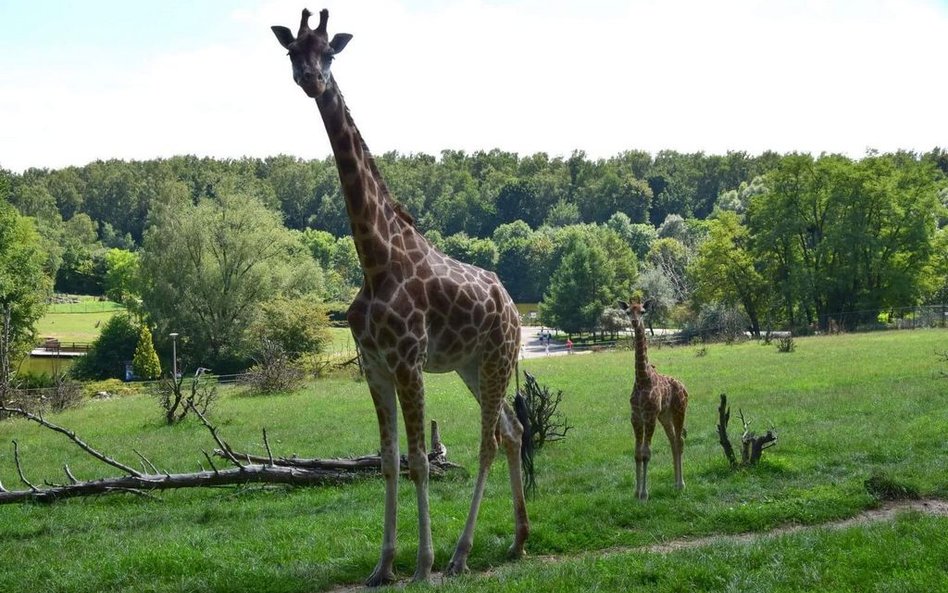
(752, 445)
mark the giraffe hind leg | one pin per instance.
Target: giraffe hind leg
(484, 386)
(512, 434)
(672, 430)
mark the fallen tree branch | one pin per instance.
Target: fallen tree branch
(364, 464)
(246, 474)
(266, 470)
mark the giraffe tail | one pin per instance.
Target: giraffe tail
(522, 410)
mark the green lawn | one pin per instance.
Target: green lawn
(846, 407)
(76, 322)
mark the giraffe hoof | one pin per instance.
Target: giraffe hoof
(515, 552)
(457, 567)
(421, 576)
(380, 577)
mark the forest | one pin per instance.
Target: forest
(765, 241)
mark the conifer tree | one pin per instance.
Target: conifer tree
(145, 361)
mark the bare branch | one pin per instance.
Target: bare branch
(209, 460)
(71, 477)
(266, 443)
(224, 447)
(19, 469)
(148, 461)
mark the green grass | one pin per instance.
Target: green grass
(74, 327)
(342, 343)
(846, 408)
(874, 557)
(86, 304)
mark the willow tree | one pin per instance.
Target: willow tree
(208, 267)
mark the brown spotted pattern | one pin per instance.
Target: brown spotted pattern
(418, 310)
(655, 397)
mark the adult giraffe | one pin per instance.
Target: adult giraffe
(418, 310)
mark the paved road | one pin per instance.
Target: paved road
(532, 348)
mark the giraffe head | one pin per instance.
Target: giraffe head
(311, 52)
(636, 310)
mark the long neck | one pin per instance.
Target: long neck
(641, 353)
(377, 222)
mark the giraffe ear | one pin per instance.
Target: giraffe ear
(646, 305)
(623, 305)
(339, 42)
(283, 35)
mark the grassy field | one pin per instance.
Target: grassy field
(846, 408)
(76, 322)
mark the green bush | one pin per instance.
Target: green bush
(111, 350)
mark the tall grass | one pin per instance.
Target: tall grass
(846, 408)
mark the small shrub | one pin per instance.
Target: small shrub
(273, 372)
(786, 344)
(175, 403)
(717, 322)
(884, 487)
(45, 393)
(547, 423)
(110, 386)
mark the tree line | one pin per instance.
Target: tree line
(778, 240)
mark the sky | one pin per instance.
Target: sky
(102, 79)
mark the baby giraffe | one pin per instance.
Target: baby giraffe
(654, 397)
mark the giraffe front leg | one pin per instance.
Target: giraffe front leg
(412, 397)
(383, 397)
(643, 453)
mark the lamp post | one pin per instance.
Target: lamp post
(174, 355)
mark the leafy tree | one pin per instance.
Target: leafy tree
(724, 270)
(114, 347)
(299, 326)
(613, 321)
(83, 261)
(672, 257)
(479, 252)
(24, 285)
(320, 244)
(209, 266)
(563, 213)
(123, 277)
(581, 287)
(843, 237)
(674, 227)
(344, 277)
(656, 286)
(145, 360)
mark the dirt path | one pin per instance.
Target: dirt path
(886, 512)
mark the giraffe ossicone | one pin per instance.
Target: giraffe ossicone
(655, 398)
(418, 310)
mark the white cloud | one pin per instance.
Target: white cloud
(687, 75)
